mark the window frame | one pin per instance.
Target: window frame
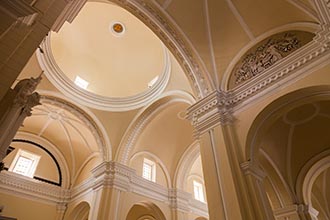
(152, 165)
(27, 155)
(200, 191)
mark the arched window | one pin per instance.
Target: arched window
(198, 191)
(149, 170)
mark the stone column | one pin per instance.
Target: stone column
(228, 195)
(18, 106)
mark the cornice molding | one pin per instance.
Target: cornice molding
(107, 175)
(219, 106)
(118, 176)
(32, 189)
(211, 111)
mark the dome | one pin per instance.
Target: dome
(101, 59)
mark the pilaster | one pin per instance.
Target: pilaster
(254, 178)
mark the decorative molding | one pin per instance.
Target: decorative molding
(118, 176)
(106, 175)
(211, 111)
(68, 88)
(267, 53)
(29, 188)
(142, 119)
(250, 168)
(186, 161)
(218, 107)
(94, 126)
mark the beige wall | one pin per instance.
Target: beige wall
(24, 209)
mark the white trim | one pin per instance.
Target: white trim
(185, 163)
(311, 176)
(143, 117)
(240, 20)
(94, 123)
(303, 7)
(33, 158)
(25, 187)
(210, 43)
(58, 78)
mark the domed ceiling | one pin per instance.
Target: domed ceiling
(106, 56)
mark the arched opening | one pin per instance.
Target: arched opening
(145, 210)
(80, 212)
(298, 120)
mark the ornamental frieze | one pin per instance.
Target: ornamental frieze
(266, 53)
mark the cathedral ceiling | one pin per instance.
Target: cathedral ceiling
(219, 30)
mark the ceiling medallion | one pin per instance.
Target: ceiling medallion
(117, 28)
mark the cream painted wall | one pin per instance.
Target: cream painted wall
(24, 209)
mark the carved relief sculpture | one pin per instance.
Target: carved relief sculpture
(266, 54)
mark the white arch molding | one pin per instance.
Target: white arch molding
(187, 160)
(293, 98)
(58, 78)
(143, 117)
(92, 122)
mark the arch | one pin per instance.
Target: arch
(145, 209)
(80, 211)
(299, 26)
(312, 169)
(158, 161)
(143, 117)
(185, 163)
(270, 113)
(53, 150)
(95, 126)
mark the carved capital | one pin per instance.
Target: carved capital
(211, 111)
(249, 168)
